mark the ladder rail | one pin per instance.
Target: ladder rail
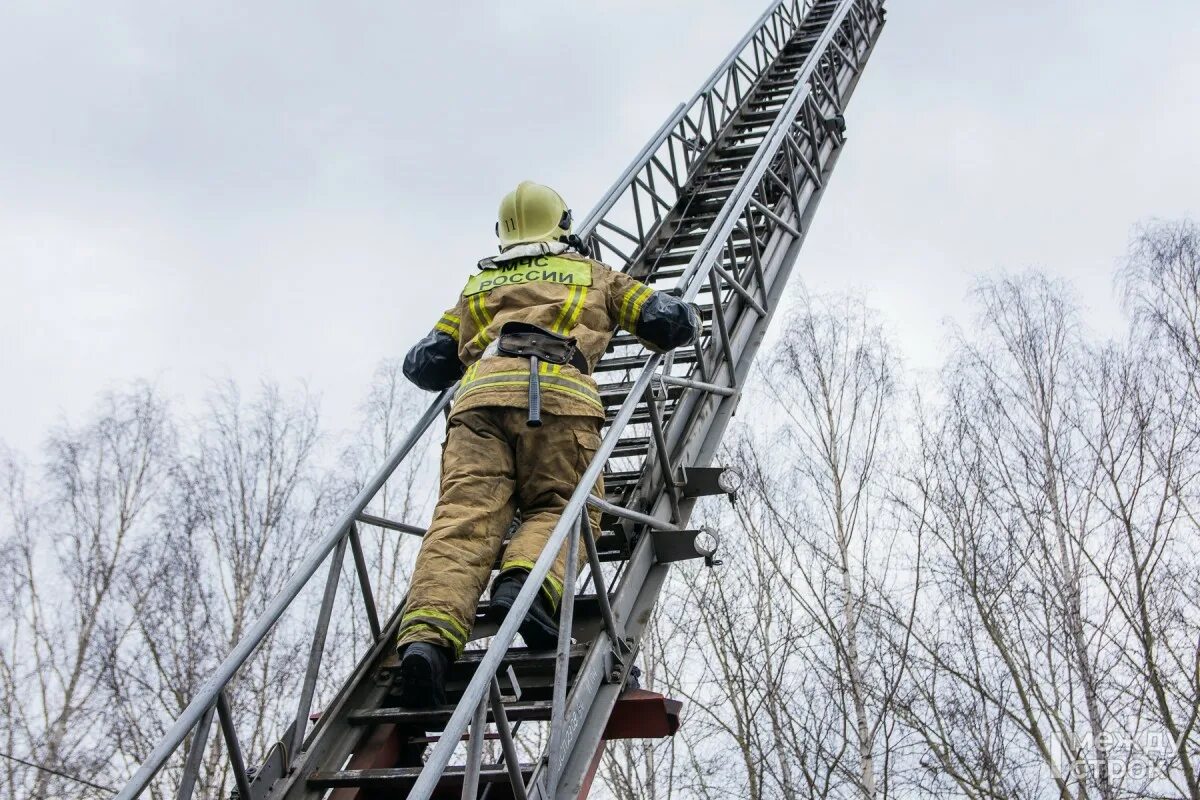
(807, 195)
(688, 441)
(712, 247)
(502, 640)
(209, 693)
(689, 134)
(689, 137)
(697, 274)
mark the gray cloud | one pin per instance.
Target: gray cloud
(293, 190)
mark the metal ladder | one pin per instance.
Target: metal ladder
(715, 209)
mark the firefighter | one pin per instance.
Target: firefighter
(523, 337)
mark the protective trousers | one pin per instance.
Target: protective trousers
(494, 465)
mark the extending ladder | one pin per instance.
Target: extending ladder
(714, 209)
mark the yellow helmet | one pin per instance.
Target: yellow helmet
(532, 213)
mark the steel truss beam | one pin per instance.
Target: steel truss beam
(715, 209)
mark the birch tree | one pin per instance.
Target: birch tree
(245, 502)
(67, 554)
(791, 688)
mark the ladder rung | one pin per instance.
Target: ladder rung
(404, 777)
(521, 659)
(740, 131)
(586, 605)
(743, 149)
(642, 417)
(758, 116)
(680, 257)
(434, 718)
(614, 394)
(682, 356)
(620, 363)
(629, 448)
(517, 657)
(717, 191)
(615, 479)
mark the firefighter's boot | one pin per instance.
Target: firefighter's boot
(422, 680)
(539, 629)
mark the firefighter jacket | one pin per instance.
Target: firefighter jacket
(556, 288)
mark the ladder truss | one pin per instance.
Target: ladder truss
(714, 209)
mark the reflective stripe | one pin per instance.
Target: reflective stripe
(405, 636)
(573, 319)
(591, 400)
(493, 351)
(440, 617)
(569, 313)
(555, 382)
(483, 310)
(478, 306)
(588, 395)
(448, 324)
(551, 587)
(631, 305)
(438, 620)
(577, 383)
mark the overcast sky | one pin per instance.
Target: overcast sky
(294, 190)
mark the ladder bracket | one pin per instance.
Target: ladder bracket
(614, 663)
(707, 481)
(671, 546)
(836, 125)
(624, 529)
(273, 768)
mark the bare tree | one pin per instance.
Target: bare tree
(1161, 283)
(837, 402)
(1009, 487)
(1049, 481)
(388, 412)
(997, 597)
(1146, 438)
(246, 500)
(67, 554)
(791, 682)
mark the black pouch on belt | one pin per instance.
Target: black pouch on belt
(525, 340)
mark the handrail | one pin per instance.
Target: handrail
(439, 757)
(706, 255)
(609, 199)
(198, 711)
(737, 49)
(694, 278)
(703, 96)
(211, 689)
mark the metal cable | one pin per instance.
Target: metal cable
(59, 773)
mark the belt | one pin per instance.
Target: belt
(577, 359)
(525, 340)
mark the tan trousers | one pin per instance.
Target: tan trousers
(494, 465)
